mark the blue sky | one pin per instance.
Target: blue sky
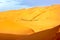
(18, 4)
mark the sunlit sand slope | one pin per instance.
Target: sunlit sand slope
(37, 19)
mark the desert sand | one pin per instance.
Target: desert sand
(38, 23)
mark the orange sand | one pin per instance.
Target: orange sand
(25, 20)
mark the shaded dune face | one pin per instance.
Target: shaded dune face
(4, 36)
(42, 35)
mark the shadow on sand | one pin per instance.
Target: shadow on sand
(49, 34)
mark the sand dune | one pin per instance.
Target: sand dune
(42, 35)
(38, 23)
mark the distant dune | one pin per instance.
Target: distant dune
(36, 23)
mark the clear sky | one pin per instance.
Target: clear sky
(18, 4)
